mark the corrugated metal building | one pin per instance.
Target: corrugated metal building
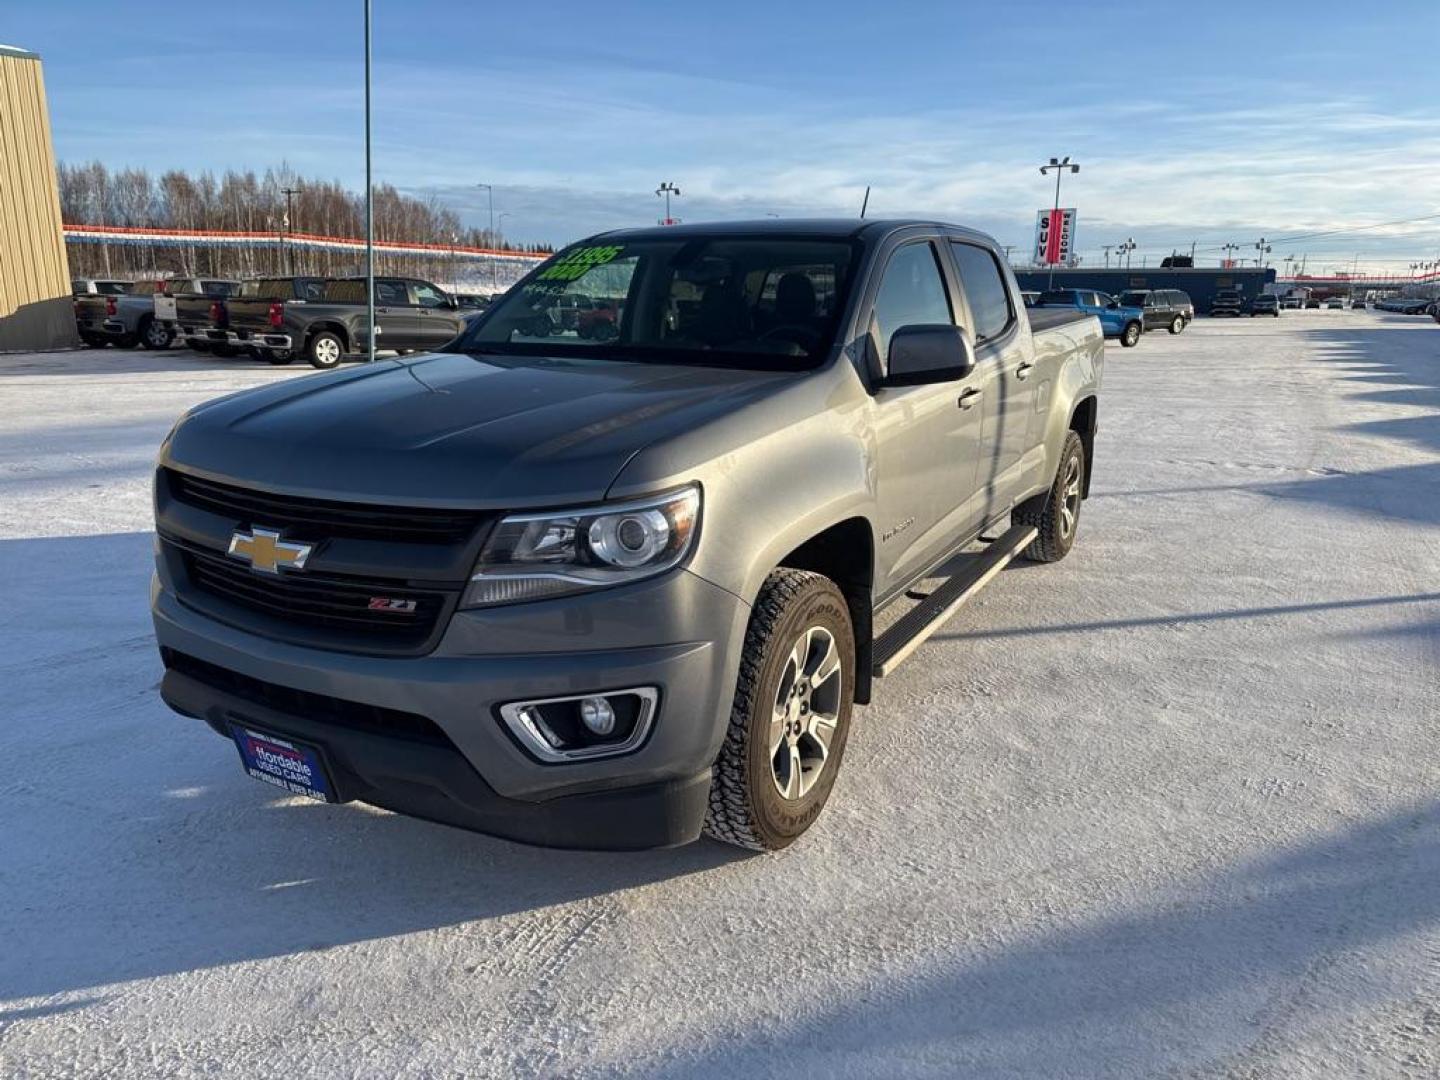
(35, 305)
(1201, 282)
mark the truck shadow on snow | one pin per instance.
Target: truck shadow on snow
(1391, 366)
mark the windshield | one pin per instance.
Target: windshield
(1133, 299)
(732, 301)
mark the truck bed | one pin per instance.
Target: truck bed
(1049, 318)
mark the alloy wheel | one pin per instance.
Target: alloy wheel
(806, 713)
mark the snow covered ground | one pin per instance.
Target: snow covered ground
(1169, 807)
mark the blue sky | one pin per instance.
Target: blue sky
(1203, 122)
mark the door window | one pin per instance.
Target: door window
(985, 290)
(390, 293)
(912, 292)
(427, 295)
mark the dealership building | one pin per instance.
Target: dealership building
(36, 310)
(1200, 283)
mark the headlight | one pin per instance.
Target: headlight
(534, 556)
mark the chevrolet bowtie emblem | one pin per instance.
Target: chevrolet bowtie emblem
(266, 552)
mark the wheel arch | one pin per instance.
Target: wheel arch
(337, 328)
(845, 553)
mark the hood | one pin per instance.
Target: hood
(456, 430)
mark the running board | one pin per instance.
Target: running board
(909, 631)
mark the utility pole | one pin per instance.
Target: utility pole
(289, 193)
(1060, 167)
(667, 189)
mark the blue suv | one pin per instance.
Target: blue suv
(1125, 323)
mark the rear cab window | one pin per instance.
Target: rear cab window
(985, 291)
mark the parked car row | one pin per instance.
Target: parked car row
(1124, 319)
(276, 319)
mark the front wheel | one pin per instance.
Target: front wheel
(1177, 324)
(325, 350)
(791, 715)
(1056, 513)
(1130, 336)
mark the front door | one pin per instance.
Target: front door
(436, 322)
(926, 437)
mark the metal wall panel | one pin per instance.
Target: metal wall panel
(35, 304)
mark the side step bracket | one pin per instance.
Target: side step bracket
(909, 631)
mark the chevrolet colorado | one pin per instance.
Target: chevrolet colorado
(612, 591)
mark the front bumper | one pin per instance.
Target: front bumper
(678, 633)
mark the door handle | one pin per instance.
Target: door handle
(1023, 371)
(969, 398)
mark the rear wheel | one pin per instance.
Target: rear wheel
(1130, 336)
(155, 335)
(325, 350)
(278, 357)
(791, 714)
(1056, 513)
(1177, 324)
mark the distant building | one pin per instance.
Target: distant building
(35, 304)
(1201, 283)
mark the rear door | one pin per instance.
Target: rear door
(436, 322)
(396, 324)
(1004, 359)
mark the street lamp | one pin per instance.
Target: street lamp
(1264, 249)
(289, 193)
(490, 233)
(1060, 167)
(369, 207)
(1124, 249)
(667, 189)
(1230, 250)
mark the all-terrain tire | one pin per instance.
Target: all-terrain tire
(1130, 336)
(1177, 324)
(746, 807)
(1055, 528)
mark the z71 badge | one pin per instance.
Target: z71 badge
(385, 603)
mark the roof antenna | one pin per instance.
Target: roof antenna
(866, 203)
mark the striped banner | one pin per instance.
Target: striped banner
(122, 234)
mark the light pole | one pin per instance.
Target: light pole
(1060, 166)
(369, 209)
(1124, 249)
(490, 233)
(1264, 249)
(500, 224)
(289, 193)
(1230, 250)
(1106, 248)
(667, 189)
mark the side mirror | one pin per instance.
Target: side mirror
(929, 353)
(452, 303)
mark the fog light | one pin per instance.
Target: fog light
(597, 715)
(584, 726)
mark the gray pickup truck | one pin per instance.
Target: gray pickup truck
(146, 313)
(613, 591)
(410, 315)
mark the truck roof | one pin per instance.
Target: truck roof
(819, 228)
